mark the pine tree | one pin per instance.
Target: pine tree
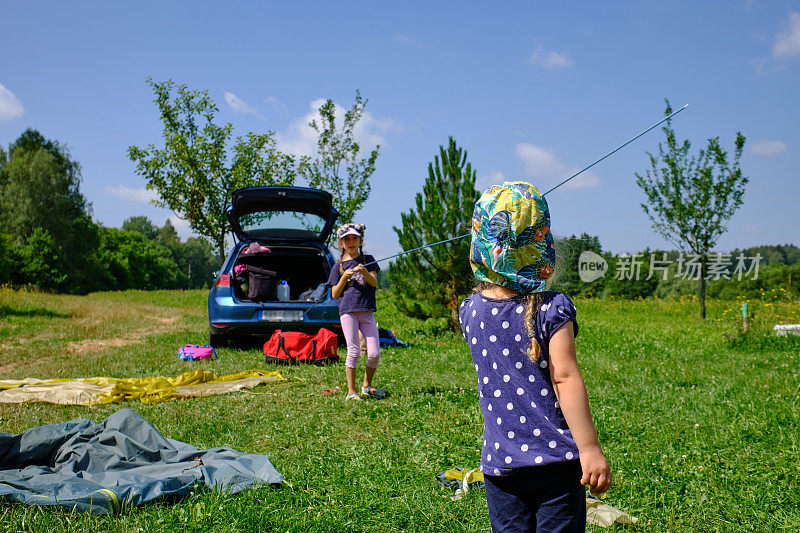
(429, 282)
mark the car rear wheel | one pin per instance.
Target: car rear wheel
(217, 340)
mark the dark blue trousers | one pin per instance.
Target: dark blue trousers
(548, 498)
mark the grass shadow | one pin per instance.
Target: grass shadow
(34, 312)
(247, 342)
(432, 390)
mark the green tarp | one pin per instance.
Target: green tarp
(120, 462)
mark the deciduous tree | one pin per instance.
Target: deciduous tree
(42, 206)
(199, 165)
(690, 198)
(337, 167)
(566, 278)
(140, 224)
(191, 263)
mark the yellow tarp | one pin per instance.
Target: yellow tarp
(101, 390)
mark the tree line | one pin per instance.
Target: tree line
(632, 276)
(48, 239)
(675, 274)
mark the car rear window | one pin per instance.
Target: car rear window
(282, 224)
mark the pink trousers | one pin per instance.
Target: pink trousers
(351, 324)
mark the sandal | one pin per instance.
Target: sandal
(369, 391)
(353, 396)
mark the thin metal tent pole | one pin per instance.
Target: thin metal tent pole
(420, 248)
(620, 147)
(584, 169)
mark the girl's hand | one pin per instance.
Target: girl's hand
(361, 269)
(347, 274)
(596, 472)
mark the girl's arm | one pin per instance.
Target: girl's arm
(571, 392)
(369, 277)
(338, 289)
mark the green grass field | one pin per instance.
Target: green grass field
(700, 423)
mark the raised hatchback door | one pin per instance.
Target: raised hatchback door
(282, 214)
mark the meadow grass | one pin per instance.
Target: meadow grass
(699, 422)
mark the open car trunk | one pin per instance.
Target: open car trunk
(305, 269)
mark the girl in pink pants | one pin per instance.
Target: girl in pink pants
(353, 285)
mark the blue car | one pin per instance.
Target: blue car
(275, 276)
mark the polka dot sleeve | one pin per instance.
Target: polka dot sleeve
(555, 313)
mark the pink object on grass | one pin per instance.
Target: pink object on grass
(193, 352)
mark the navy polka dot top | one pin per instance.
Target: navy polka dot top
(523, 424)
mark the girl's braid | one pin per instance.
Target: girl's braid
(531, 311)
(532, 304)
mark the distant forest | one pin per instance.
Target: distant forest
(766, 271)
(49, 241)
(139, 255)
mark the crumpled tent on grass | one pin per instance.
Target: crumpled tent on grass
(148, 390)
(122, 462)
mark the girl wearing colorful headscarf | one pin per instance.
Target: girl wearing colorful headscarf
(540, 446)
(354, 285)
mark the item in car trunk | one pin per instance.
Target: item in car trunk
(261, 284)
(283, 291)
(314, 294)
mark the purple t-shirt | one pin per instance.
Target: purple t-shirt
(358, 295)
(523, 423)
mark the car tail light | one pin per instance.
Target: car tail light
(223, 281)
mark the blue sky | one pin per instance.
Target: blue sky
(532, 90)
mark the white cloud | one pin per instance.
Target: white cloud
(135, 195)
(587, 179)
(405, 40)
(542, 164)
(276, 104)
(768, 148)
(182, 227)
(300, 139)
(787, 42)
(486, 181)
(550, 59)
(539, 161)
(10, 106)
(240, 106)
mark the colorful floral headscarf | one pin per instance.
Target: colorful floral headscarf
(511, 241)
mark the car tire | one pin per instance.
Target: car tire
(217, 340)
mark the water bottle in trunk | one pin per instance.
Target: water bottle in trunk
(283, 291)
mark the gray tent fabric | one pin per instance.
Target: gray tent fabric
(121, 462)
